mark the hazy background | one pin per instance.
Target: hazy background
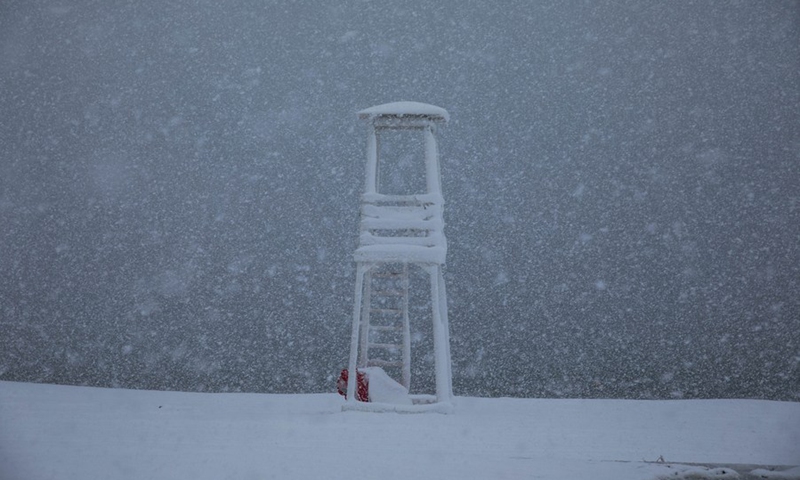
(179, 190)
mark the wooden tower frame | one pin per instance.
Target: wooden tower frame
(397, 231)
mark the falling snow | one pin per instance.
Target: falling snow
(179, 188)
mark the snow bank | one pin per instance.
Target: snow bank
(60, 432)
(788, 474)
(692, 472)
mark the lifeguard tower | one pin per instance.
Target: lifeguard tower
(398, 232)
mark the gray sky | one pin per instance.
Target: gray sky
(179, 191)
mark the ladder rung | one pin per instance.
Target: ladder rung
(387, 346)
(387, 274)
(386, 310)
(384, 363)
(386, 328)
(388, 293)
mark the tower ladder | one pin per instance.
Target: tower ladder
(386, 334)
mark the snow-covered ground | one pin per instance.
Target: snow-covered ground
(62, 432)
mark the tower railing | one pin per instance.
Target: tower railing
(403, 228)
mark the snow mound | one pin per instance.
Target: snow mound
(690, 472)
(697, 472)
(790, 474)
(384, 389)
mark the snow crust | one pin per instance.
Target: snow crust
(62, 432)
(405, 108)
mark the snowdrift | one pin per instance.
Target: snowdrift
(62, 432)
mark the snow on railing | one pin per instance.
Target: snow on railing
(402, 227)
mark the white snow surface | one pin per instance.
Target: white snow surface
(405, 108)
(64, 432)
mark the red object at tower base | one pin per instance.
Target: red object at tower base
(362, 385)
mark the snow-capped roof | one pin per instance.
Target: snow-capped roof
(405, 109)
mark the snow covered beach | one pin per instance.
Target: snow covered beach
(64, 432)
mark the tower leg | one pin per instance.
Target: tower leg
(366, 303)
(445, 327)
(354, 337)
(406, 332)
(441, 340)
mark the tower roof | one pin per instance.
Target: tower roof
(399, 110)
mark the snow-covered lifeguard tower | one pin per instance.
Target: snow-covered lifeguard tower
(399, 231)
